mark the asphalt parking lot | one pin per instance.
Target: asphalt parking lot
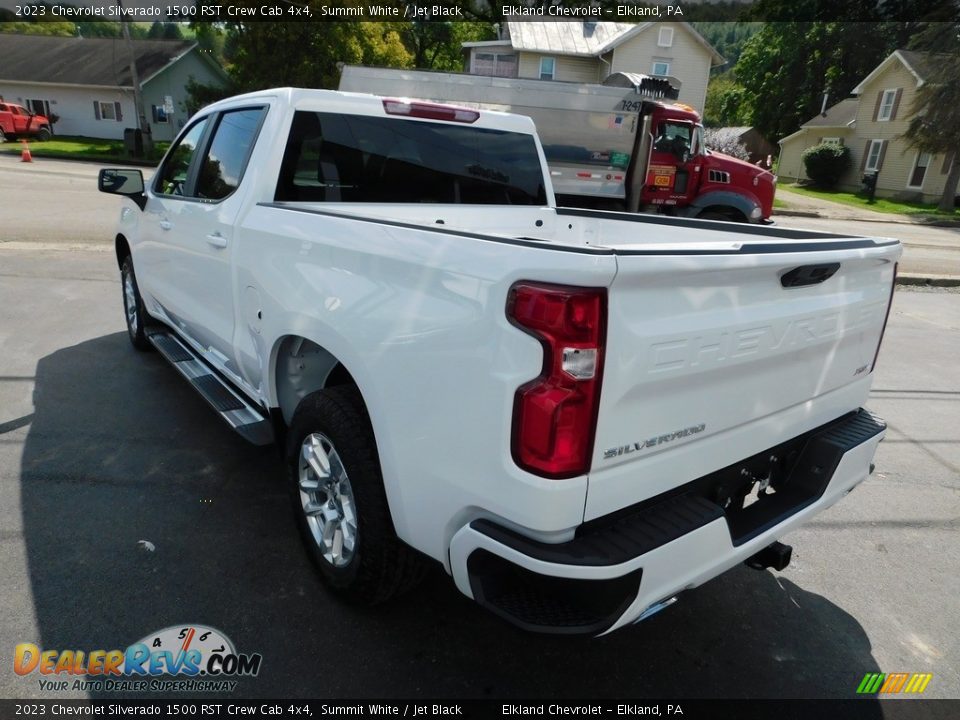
(102, 447)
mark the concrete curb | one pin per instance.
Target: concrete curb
(896, 219)
(914, 279)
(105, 162)
(795, 213)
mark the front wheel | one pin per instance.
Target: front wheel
(713, 216)
(44, 134)
(339, 500)
(133, 306)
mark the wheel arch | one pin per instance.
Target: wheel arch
(735, 206)
(301, 366)
(122, 248)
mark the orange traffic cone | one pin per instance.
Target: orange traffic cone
(25, 155)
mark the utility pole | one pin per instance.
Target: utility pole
(137, 99)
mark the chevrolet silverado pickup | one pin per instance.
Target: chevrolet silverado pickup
(579, 414)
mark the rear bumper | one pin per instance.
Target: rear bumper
(619, 568)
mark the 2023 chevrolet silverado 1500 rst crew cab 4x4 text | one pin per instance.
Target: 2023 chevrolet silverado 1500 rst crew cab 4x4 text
(579, 414)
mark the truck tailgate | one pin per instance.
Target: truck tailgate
(719, 350)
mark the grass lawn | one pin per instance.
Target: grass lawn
(82, 148)
(881, 205)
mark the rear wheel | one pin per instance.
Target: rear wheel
(339, 500)
(3, 137)
(133, 306)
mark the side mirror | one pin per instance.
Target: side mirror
(128, 183)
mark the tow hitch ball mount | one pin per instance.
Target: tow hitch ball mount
(776, 555)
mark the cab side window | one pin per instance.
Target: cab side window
(172, 178)
(223, 165)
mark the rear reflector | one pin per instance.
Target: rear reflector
(555, 414)
(430, 111)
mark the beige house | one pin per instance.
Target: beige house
(590, 51)
(872, 125)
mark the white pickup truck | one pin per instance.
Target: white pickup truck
(579, 414)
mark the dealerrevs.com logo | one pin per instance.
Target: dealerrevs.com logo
(201, 658)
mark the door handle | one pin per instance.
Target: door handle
(809, 275)
(165, 224)
(217, 240)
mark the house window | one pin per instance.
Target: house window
(886, 105)
(919, 170)
(506, 65)
(660, 67)
(39, 107)
(665, 39)
(159, 114)
(547, 68)
(873, 156)
(495, 64)
(107, 111)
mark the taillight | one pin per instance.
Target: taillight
(555, 414)
(885, 317)
(430, 111)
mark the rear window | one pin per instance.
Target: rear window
(355, 158)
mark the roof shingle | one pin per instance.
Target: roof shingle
(82, 61)
(839, 115)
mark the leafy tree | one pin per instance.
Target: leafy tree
(164, 31)
(200, 95)
(935, 125)
(728, 38)
(787, 67)
(50, 28)
(437, 45)
(307, 54)
(826, 163)
(728, 103)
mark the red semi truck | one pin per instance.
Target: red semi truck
(18, 122)
(622, 145)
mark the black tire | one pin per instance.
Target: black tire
(714, 216)
(3, 136)
(44, 134)
(136, 320)
(380, 565)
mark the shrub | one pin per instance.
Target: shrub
(826, 163)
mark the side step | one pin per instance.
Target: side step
(247, 419)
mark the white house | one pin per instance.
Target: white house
(86, 83)
(590, 51)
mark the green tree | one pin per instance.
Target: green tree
(728, 103)
(306, 54)
(935, 125)
(437, 45)
(810, 47)
(787, 67)
(728, 38)
(51, 28)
